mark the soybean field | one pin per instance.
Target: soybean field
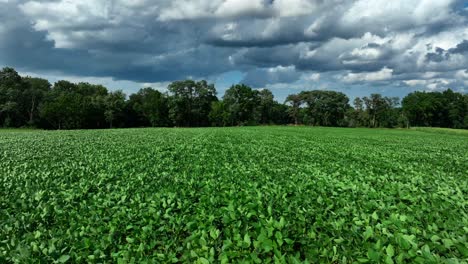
(234, 195)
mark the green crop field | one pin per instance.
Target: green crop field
(234, 195)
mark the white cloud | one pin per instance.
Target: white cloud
(415, 82)
(311, 77)
(462, 74)
(382, 75)
(295, 7)
(397, 14)
(231, 8)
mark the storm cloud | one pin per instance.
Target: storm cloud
(410, 45)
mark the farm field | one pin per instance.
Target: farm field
(234, 195)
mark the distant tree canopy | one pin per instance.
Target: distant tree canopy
(446, 109)
(34, 102)
(190, 102)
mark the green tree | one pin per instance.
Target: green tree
(61, 108)
(326, 108)
(455, 108)
(446, 109)
(219, 114)
(92, 105)
(151, 107)
(190, 103)
(35, 92)
(295, 101)
(12, 87)
(114, 105)
(73, 106)
(266, 106)
(280, 114)
(381, 110)
(359, 116)
(241, 102)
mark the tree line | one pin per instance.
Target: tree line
(34, 102)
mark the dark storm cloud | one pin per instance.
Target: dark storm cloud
(272, 42)
(460, 48)
(262, 77)
(438, 56)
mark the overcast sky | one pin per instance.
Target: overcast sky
(358, 47)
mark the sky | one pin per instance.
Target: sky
(358, 47)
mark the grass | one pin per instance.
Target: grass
(246, 194)
(442, 130)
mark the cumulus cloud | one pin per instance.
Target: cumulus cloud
(382, 75)
(275, 43)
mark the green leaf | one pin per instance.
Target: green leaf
(375, 216)
(390, 251)
(203, 261)
(463, 250)
(267, 245)
(448, 243)
(389, 260)
(63, 258)
(247, 239)
(373, 255)
(368, 233)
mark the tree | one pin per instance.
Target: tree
(241, 102)
(296, 101)
(151, 107)
(32, 102)
(326, 108)
(11, 89)
(446, 109)
(219, 114)
(456, 109)
(61, 107)
(190, 103)
(92, 104)
(35, 92)
(73, 106)
(280, 115)
(266, 106)
(382, 111)
(359, 115)
(114, 105)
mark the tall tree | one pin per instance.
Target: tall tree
(92, 105)
(35, 92)
(296, 101)
(241, 102)
(219, 114)
(266, 106)
(114, 105)
(374, 105)
(11, 89)
(151, 106)
(72, 106)
(61, 107)
(359, 115)
(446, 109)
(191, 102)
(280, 115)
(326, 108)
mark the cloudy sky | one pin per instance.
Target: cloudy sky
(358, 47)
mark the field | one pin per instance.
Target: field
(240, 195)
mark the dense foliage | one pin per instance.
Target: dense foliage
(34, 102)
(239, 195)
(447, 109)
